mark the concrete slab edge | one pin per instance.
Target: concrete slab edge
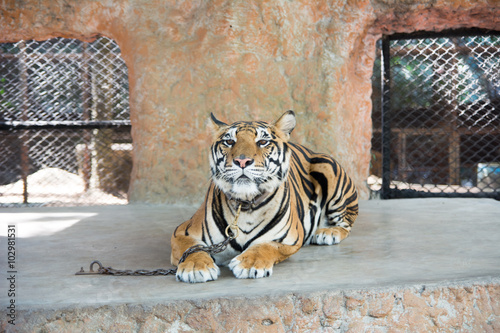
(470, 305)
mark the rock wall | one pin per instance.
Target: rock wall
(471, 308)
(241, 60)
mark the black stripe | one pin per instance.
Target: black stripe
(175, 231)
(323, 183)
(299, 203)
(312, 214)
(297, 163)
(266, 201)
(205, 222)
(298, 235)
(255, 227)
(218, 212)
(306, 152)
(308, 188)
(285, 207)
(324, 160)
(236, 246)
(286, 228)
(339, 183)
(351, 199)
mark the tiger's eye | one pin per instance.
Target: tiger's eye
(262, 143)
(229, 143)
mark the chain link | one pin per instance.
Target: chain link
(210, 249)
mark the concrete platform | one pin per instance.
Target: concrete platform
(400, 252)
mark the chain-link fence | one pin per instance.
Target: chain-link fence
(436, 116)
(64, 123)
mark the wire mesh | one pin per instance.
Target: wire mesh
(60, 144)
(444, 114)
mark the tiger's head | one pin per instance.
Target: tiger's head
(249, 159)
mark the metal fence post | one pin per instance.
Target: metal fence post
(24, 117)
(386, 120)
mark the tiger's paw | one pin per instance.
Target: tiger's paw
(329, 236)
(247, 266)
(198, 267)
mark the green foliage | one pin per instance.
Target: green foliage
(3, 103)
(424, 72)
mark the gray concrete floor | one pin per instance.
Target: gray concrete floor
(393, 243)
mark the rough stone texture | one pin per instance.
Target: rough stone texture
(241, 60)
(474, 308)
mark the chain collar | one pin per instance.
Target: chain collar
(247, 205)
(232, 231)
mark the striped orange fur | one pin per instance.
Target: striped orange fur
(290, 197)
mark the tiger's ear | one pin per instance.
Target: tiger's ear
(215, 123)
(286, 123)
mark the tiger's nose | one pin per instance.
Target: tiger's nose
(243, 162)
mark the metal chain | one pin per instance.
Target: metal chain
(211, 249)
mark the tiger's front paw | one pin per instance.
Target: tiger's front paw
(198, 267)
(329, 236)
(249, 266)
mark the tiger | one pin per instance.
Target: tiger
(286, 195)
